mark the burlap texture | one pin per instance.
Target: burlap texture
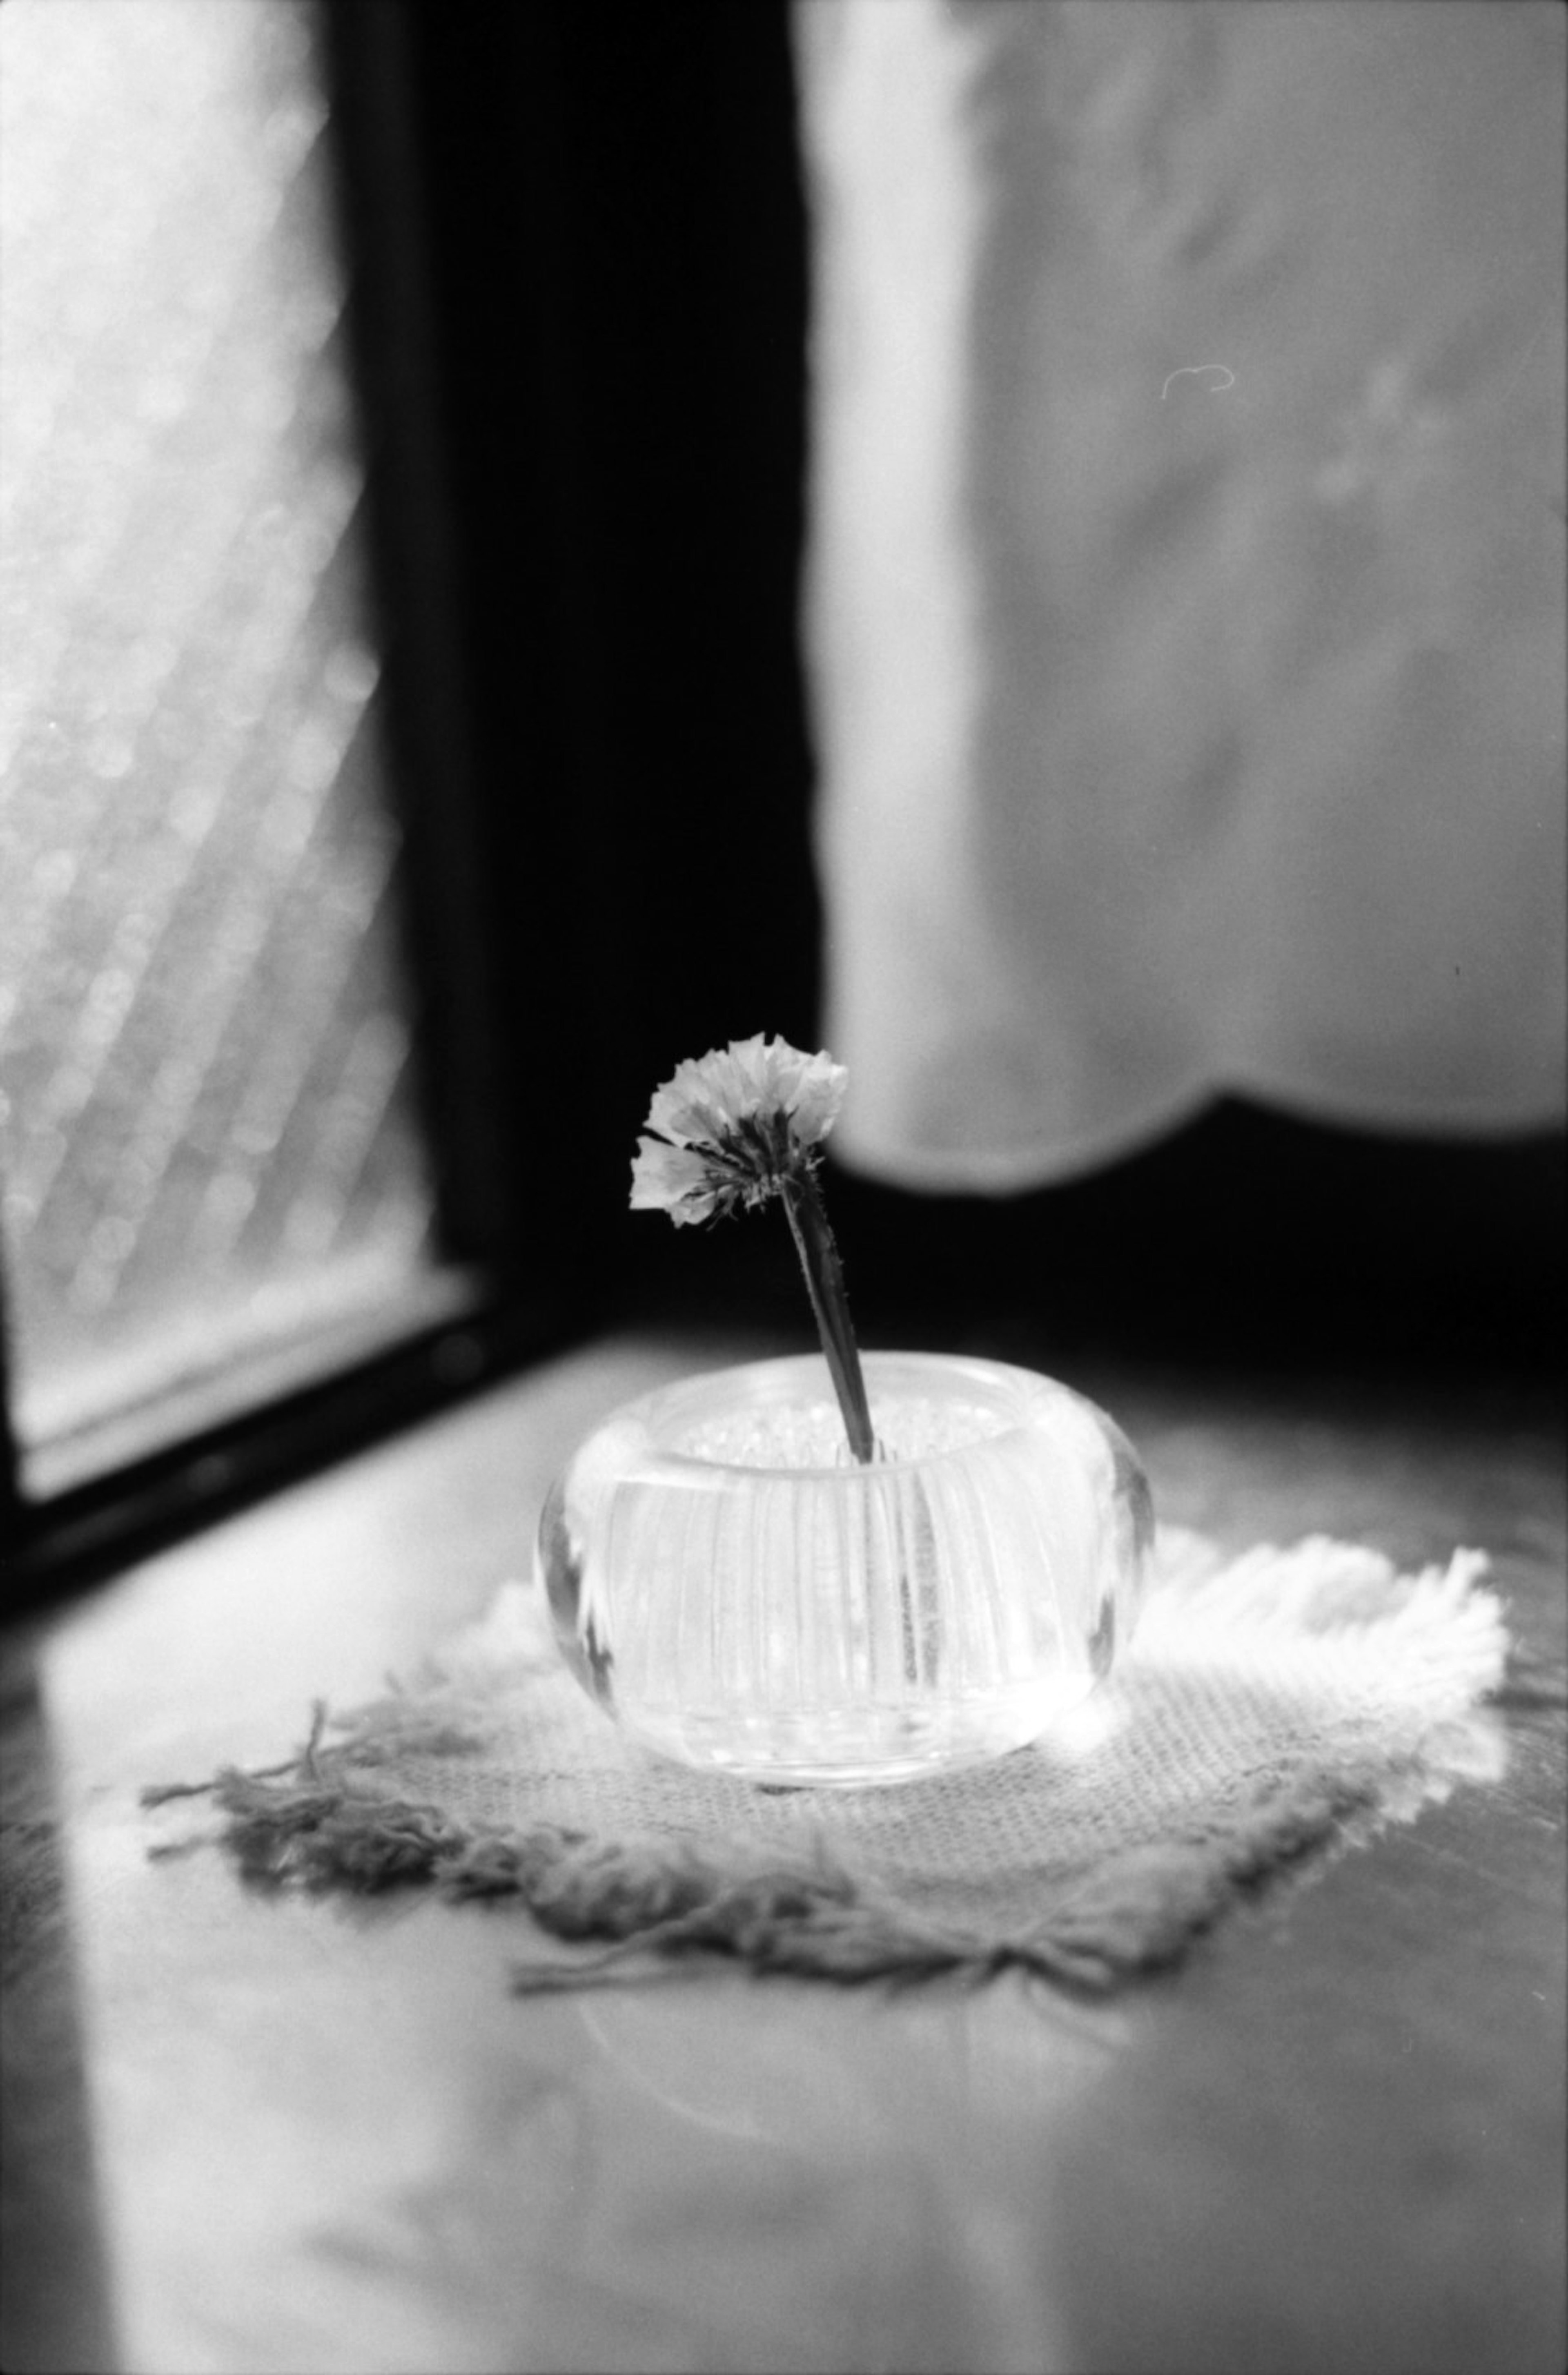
(1271, 1708)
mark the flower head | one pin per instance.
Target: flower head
(731, 1126)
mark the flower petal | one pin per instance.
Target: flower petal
(818, 1097)
(674, 1180)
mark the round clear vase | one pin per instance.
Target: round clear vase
(742, 1595)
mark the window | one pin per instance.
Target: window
(216, 1187)
(209, 1140)
(415, 547)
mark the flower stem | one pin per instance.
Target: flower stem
(829, 1306)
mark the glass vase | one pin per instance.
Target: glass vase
(741, 1594)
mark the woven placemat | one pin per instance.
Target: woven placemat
(1272, 1707)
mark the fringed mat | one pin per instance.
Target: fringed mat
(1271, 1708)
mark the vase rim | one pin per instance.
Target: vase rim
(979, 1375)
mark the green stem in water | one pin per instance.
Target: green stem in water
(829, 1306)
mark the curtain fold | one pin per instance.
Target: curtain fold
(1183, 612)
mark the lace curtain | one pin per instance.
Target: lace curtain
(1184, 602)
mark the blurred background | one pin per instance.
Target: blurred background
(471, 483)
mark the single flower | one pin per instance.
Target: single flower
(735, 1128)
(744, 1119)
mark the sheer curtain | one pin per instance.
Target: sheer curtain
(1185, 597)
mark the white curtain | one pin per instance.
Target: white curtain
(1185, 609)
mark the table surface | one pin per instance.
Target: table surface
(248, 2136)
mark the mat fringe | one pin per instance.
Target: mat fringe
(653, 1905)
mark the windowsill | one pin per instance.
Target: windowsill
(317, 2141)
(129, 1411)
